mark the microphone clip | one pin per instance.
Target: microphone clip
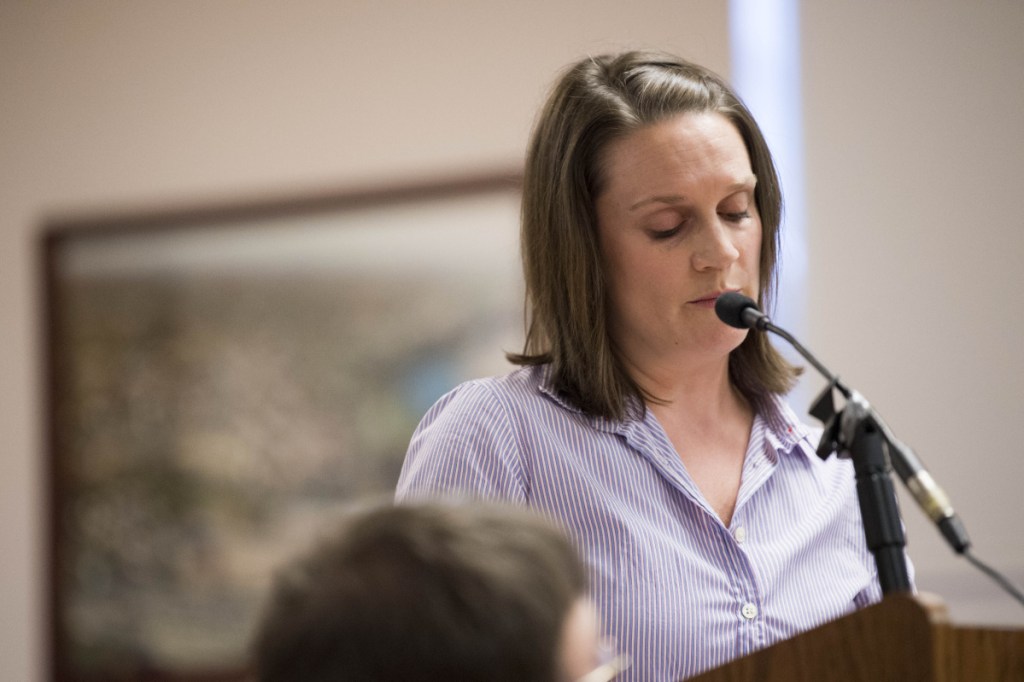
(824, 410)
(840, 424)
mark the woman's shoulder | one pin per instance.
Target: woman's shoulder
(509, 391)
(470, 440)
(520, 383)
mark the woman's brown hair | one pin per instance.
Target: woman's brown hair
(597, 100)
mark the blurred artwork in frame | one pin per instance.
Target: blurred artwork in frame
(223, 382)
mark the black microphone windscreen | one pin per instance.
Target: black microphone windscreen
(730, 306)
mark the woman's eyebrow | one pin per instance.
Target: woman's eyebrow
(666, 199)
(747, 183)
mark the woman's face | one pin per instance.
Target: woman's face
(677, 227)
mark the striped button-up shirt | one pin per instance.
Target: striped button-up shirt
(677, 589)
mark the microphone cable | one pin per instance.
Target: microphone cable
(998, 577)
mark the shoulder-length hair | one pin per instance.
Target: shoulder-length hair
(596, 101)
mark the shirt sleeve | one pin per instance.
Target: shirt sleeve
(465, 446)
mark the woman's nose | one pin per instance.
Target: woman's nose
(715, 248)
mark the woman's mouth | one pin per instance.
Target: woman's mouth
(708, 300)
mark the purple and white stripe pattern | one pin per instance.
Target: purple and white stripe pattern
(678, 590)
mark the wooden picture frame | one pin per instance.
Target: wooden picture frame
(223, 380)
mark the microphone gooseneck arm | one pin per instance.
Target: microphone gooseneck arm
(808, 356)
(919, 482)
(858, 424)
(741, 311)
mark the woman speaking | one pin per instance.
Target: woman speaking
(654, 433)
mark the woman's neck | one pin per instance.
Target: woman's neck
(702, 390)
(708, 422)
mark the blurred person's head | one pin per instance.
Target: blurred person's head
(432, 592)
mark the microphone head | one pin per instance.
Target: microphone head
(730, 306)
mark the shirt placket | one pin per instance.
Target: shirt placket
(750, 601)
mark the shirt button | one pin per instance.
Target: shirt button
(740, 534)
(749, 611)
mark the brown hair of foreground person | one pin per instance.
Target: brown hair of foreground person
(426, 592)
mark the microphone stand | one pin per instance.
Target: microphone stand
(858, 437)
(854, 433)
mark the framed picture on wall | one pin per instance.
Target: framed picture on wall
(224, 381)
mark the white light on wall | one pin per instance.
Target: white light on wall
(765, 51)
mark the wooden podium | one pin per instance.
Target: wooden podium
(902, 638)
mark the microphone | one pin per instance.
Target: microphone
(737, 310)
(740, 311)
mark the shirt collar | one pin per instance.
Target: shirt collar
(784, 430)
(601, 423)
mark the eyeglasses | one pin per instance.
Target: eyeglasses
(612, 664)
(606, 672)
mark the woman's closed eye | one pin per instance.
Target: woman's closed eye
(661, 235)
(736, 216)
(737, 207)
(667, 225)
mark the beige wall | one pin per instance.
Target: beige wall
(915, 158)
(913, 167)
